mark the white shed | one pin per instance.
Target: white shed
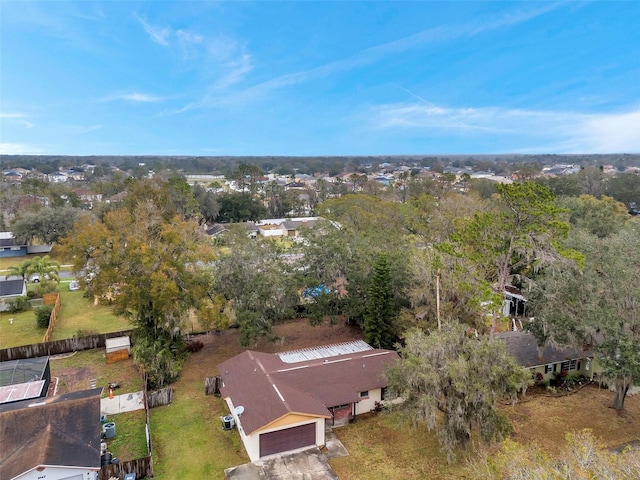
(118, 348)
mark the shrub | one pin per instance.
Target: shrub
(85, 333)
(194, 346)
(19, 304)
(539, 378)
(43, 315)
(47, 287)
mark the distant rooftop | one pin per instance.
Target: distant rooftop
(326, 351)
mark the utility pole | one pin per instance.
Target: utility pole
(438, 299)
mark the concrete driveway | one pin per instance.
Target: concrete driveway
(307, 464)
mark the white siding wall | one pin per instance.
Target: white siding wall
(365, 405)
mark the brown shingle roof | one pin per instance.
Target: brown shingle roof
(269, 388)
(62, 430)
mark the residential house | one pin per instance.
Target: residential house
(215, 229)
(281, 227)
(549, 360)
(9, 247)
(57, 438)
(88, 197)
(282, 402)
(10, 289)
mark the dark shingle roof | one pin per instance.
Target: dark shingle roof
(524, 348)
(62, 430)
(269, 388)
(11, 287)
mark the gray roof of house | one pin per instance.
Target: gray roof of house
(11, 287)
(296, 224)
(62, 430)
(524, 348)
(11, 242)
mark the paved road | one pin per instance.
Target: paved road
(64, 275)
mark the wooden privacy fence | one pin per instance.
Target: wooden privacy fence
(142, 467)
(59, 346)
(212, 386)
(51, 299)
(160, 397)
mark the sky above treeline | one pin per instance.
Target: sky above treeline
(319, 78)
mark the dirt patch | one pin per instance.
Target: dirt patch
(77, 371)
(292, 336)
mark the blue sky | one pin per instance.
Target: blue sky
(319, 78)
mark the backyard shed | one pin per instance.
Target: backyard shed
(118, 349)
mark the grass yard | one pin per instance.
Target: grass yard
(76, 313)
(130, 441)
(380, 446)
(22, 330)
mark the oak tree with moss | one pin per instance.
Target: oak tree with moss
(451, 382)
(150, 263)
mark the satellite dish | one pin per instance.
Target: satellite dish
(239, 410)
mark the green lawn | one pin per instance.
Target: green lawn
(76, 313)
(188, 439)
(130, 441)
(23, 330)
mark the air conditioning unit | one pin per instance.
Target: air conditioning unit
(228, 422)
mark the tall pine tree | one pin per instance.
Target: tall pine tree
(378, 322)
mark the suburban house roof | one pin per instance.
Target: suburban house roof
(215, 229)
(524, 348)
(295, 224)
(269, 388)
(8, 240)
(12, 287)
(62, 430)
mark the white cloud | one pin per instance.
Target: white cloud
(188, 37)
(141, 97)
(374, 54)
(133, 97)
(537, 130)
(19, 118)
(157, 34)
(236, 71)
(18, 149)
